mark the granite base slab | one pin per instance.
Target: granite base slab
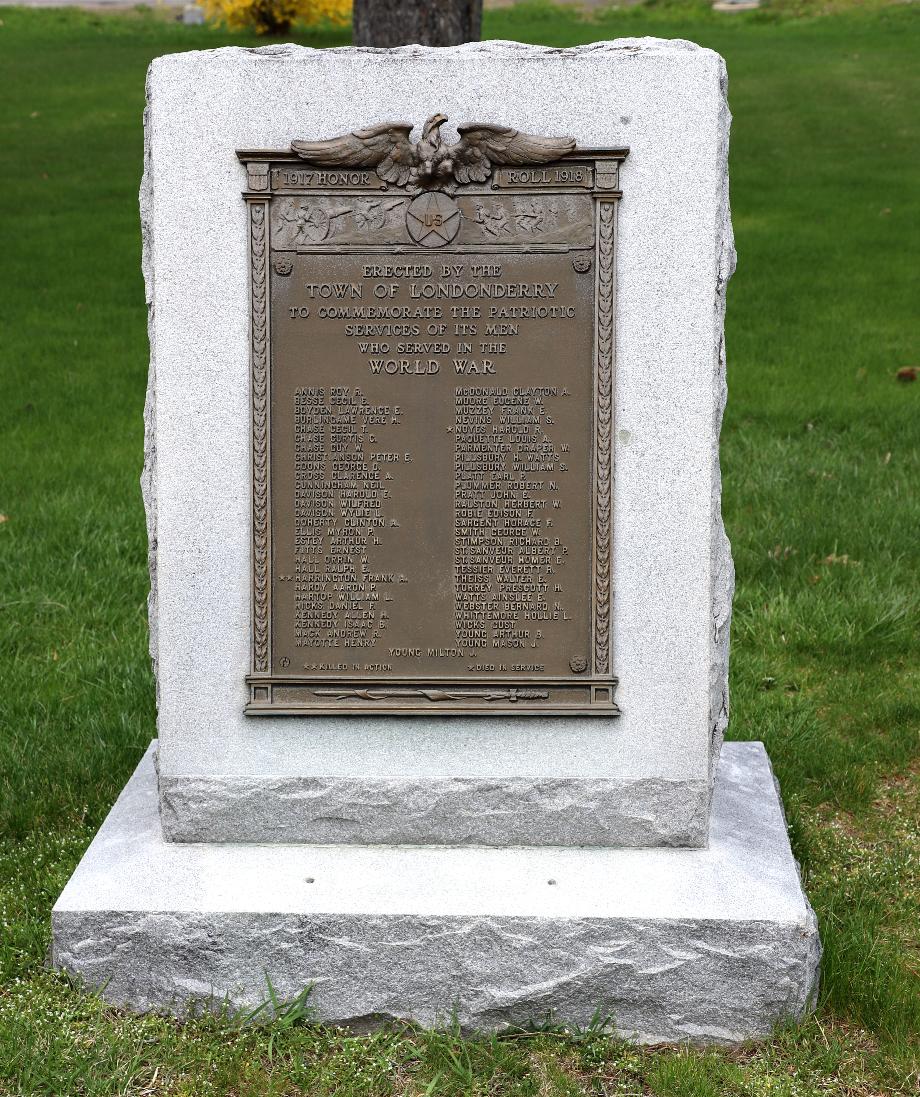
(710, 945)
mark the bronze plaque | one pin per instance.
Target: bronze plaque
(432, 380)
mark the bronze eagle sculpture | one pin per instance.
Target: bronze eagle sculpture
(432, 161)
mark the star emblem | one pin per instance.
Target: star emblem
(433, 219)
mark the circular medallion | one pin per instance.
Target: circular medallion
(433, 219)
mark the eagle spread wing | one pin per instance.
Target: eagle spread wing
(385, 147)
(481, 145)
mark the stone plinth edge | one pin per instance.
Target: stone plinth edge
(709, 945)
(449, 811)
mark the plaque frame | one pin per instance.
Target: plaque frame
(588, 692)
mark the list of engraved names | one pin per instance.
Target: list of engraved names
(431, 464)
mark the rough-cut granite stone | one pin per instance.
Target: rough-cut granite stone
(442, 810)
(712, 945)
(652, 768)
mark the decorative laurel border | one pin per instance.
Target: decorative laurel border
(368, 694)
(605, 334)
(259, 359)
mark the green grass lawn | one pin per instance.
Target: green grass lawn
(821, 463)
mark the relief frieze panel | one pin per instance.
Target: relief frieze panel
(306, 222)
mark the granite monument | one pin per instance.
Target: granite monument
(440, 591)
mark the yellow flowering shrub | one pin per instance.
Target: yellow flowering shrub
(275, 16)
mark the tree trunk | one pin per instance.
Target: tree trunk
(385, 23)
